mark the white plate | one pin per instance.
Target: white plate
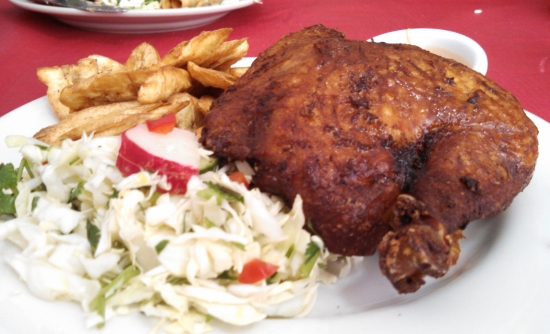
(499, 285)
(136, 21)
(445, 43)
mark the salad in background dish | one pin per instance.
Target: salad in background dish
(164, 4)
(117, 243)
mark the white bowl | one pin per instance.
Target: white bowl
(445, 43)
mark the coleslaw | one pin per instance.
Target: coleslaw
(117, 244)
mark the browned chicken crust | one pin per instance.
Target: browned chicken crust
(391, 147)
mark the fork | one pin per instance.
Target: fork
(84, 5)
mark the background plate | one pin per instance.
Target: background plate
(136, 21)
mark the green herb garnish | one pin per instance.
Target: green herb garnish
(219, 193)
(177, 280)
(74, 160)
(160, 246)
(98, 304)
(208, 223)
(76, 191)
(289, 251)
(34, 202)
(271, 279)
(230, 275)
(8, 181)
(154, 197)
(238, 245)
(312, 253)
(25, 164)
(93, 235)
(309, 225)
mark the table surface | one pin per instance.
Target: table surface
(515, 35)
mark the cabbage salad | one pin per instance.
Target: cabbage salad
(118, 244)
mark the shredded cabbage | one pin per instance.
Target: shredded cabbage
(117, 244)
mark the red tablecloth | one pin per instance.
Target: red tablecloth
(515, 35)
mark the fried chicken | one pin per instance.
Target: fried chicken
(391, 147)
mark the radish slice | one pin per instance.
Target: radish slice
(174, 155)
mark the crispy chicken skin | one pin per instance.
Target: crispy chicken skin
(391, 147)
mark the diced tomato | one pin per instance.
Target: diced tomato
(239, 178)
(256, 270)
(163, 125)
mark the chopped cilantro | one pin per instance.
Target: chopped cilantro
(155, 197)
(312, 253)
(289, 251)
(8, 181)
(8, 176)
(93, 235)
(230, 275)
(98, 304)
(7, 204)
(238, 245)
(113, 195)
(208, 223)
(219, 193)
(34, 202)
(310, 227)
(271, 279)
(119, 244)
(76, 191)
(160, 246)
(25, 164)
(74, 160)
(177, 280)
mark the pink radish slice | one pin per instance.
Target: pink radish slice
(174, 155)
(178, 181)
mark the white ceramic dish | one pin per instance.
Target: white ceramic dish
(136, 21)
(445, 43)
(499, 285)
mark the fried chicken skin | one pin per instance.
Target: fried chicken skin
(391, 147)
